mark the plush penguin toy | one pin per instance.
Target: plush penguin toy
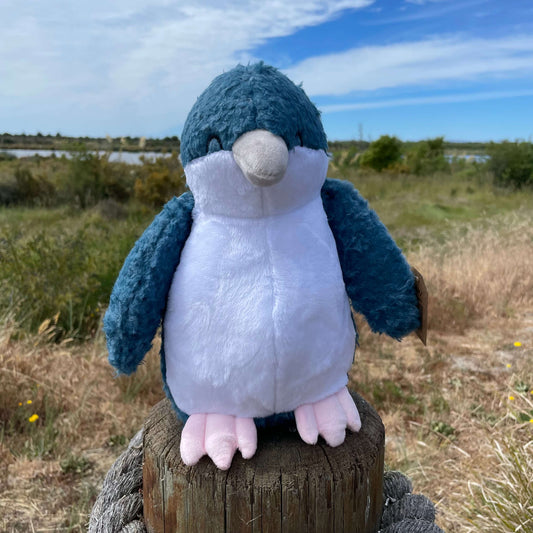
(252, 274)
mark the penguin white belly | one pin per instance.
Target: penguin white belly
(258, 320)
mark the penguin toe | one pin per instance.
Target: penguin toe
(220, 439)
(350, 410)
(192, 439)
(246, 436)
(306, 423)
(331, 420)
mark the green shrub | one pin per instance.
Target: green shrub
(158, 181)
(49, 274)
(33, 190)
(427, 157)
(381, 154)
(8, 194)
(91, 177)
(63, 276)
(511, 163)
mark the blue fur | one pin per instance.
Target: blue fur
(248, 98)
(139, 296)
(378, 279)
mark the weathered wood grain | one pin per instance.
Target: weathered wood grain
(287, 486)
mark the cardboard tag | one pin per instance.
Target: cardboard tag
(422, 297)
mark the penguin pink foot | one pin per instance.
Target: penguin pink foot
(328, 417)
(219, 437)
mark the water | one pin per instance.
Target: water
(478, 158)
(132, 158)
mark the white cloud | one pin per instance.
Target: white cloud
(136, 67)
(414, 63)
(134, 63)
(425, 100)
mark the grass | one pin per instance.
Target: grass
(50, 469)
(505, 500)
(451, 423)
(414, 207)
(59, 265)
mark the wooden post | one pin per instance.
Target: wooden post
(287, 486)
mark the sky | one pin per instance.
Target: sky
(462, 69)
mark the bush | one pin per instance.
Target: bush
(427, 157)
(8, 194)
(46, 275)
(511, 163)
(92, 177)
(33, 190)
(383, 153)
(65, 274)
(159, 180)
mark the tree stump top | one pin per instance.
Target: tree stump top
(287, 486)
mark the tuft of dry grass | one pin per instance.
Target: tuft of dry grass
(504, 501)
(479, 272)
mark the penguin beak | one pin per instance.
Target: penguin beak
(262, 156)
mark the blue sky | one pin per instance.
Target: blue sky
(411, 68)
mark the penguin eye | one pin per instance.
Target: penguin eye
(213, 144)
(299, 138)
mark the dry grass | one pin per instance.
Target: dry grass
(505, 499)
(444, 406)
(480, 272)
(459, 412)
(50, 469)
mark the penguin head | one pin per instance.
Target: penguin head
(256, 121)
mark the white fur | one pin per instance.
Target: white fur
(258, 320)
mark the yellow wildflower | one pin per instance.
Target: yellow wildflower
(33, 418)
(531, 421)
(518, 344)
(511, 398)
(20, 403)
(29, 402)
(509, 365)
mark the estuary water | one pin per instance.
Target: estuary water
(132, 158)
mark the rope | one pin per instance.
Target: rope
(404, 512)
(119, 506)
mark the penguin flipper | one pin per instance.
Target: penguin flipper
(377, 277)
(140, 293)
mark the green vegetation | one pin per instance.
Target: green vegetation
(60, 142)
(159, 180)
(68, 223)
(512, 163)
(64, 273)
(427, 157)
(382, 154)
(415, 207)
